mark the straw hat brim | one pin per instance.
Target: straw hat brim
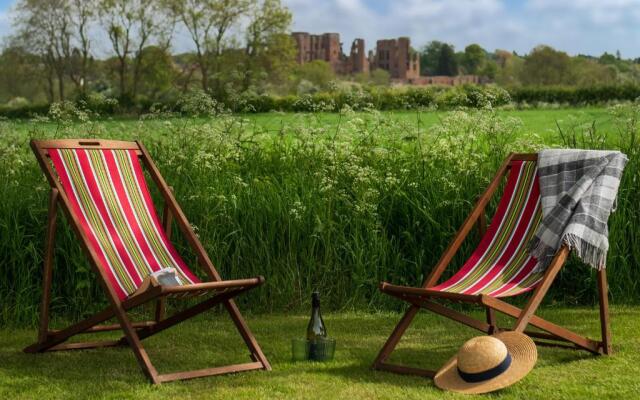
(523, 357)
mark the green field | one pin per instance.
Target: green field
(114, 374)
(541, 122)
(537, 121)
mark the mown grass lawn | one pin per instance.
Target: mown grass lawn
(206, 341)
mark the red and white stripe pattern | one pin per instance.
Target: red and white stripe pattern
(501, 265)
(111, 200)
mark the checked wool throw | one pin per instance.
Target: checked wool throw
(578, 190)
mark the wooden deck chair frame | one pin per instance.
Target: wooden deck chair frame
(551, 335)
(223, 291)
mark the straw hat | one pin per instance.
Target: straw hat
(488, 363)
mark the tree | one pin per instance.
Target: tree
(447, 63)
(607, 58)
(157, 72)
(509, 68)
(489, 69)
(473, 59)
(269, 50)
(81, 15)
(44, 27)
(430, 57)
(20, 74)
(131, 25)
(588, 72)
(318, 72)
(546, 66)
(379, 77)
(208, 22)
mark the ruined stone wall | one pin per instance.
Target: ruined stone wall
(327, 47)
(396, 57)
(392, 55)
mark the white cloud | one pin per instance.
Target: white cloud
(422, 21)
(578, 26)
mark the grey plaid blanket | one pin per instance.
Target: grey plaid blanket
(578, 191)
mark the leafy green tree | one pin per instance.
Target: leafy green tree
(318, 72)
(21, 75)
(510, 68)
(546, 66)
(589, 72)
(278, 60)
(447, 63)
(131, 25)
(489, 69)
(44, 27)
(158, 72)
(208, 23)
(82, 14)
(270, 52)
(379, 77)
(430, 57)
(607, 58)
(473, 59)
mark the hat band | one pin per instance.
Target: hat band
(488, 374)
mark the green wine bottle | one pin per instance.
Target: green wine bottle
(316, 331)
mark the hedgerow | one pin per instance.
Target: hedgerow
(383, 99)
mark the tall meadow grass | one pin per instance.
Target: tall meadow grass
(309, 205)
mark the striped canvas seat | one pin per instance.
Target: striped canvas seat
(501, 265)
(108, 193)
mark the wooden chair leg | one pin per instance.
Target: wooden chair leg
(491, 320)
(395, 336)
(159, 310)
(135, 344)
(549, 276)
(604, 312)
(48, 265)
(247, 335)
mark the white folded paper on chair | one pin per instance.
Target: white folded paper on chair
(163, 277)
(166, 277)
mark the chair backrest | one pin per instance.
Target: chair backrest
(110, 199)
(501, 265)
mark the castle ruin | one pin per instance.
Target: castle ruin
(397, 57)
(327, 47)
(392, 55)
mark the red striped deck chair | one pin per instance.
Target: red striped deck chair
(101, 186)
(499, 267)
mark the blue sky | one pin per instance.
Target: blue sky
(575, 26)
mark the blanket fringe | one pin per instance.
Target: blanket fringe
(588, 253)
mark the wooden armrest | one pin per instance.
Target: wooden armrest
(408, 292)
(212, 286)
